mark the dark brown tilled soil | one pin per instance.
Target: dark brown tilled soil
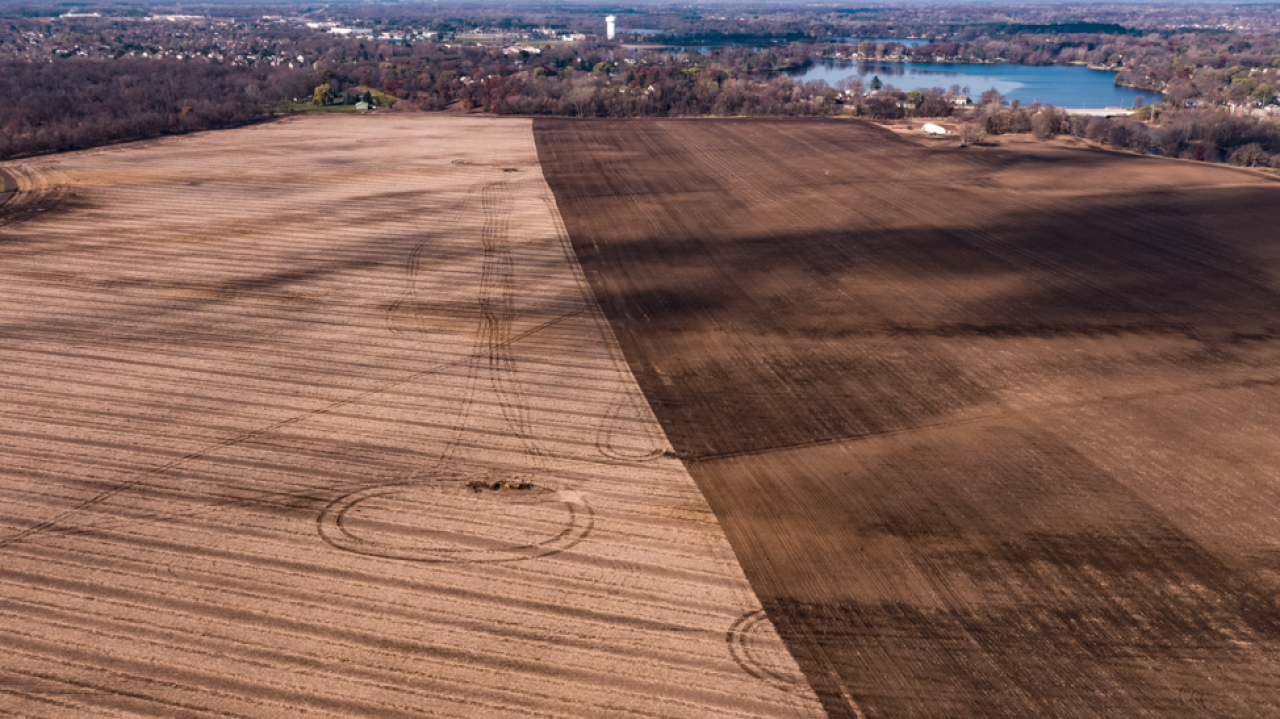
(992, 430)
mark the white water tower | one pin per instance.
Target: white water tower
(609, 26)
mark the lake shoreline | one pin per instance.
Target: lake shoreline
(1067, 86)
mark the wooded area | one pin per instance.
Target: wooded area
(77, 103)
(77, 82)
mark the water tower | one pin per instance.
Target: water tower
(609, 26)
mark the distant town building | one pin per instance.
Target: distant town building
(610, 24)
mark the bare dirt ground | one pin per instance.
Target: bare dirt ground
(994, 431)
(319, 418)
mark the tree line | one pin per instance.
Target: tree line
(79, 103)
(61, 102)
(1199, 134)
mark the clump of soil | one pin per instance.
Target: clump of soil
(480, 485)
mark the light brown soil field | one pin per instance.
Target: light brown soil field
(994, 431)
(320, 418)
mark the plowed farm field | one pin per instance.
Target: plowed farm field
(320, 418)
(994, 431)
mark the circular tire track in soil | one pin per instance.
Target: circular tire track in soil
(25, 194)
(449, 520)
(624, 407)
(744, 637)
(455, 523)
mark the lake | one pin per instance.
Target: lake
(1063, 86)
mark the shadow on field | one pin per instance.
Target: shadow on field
(166, 297)
(152, 308)
(857, 328)
(991, 571)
